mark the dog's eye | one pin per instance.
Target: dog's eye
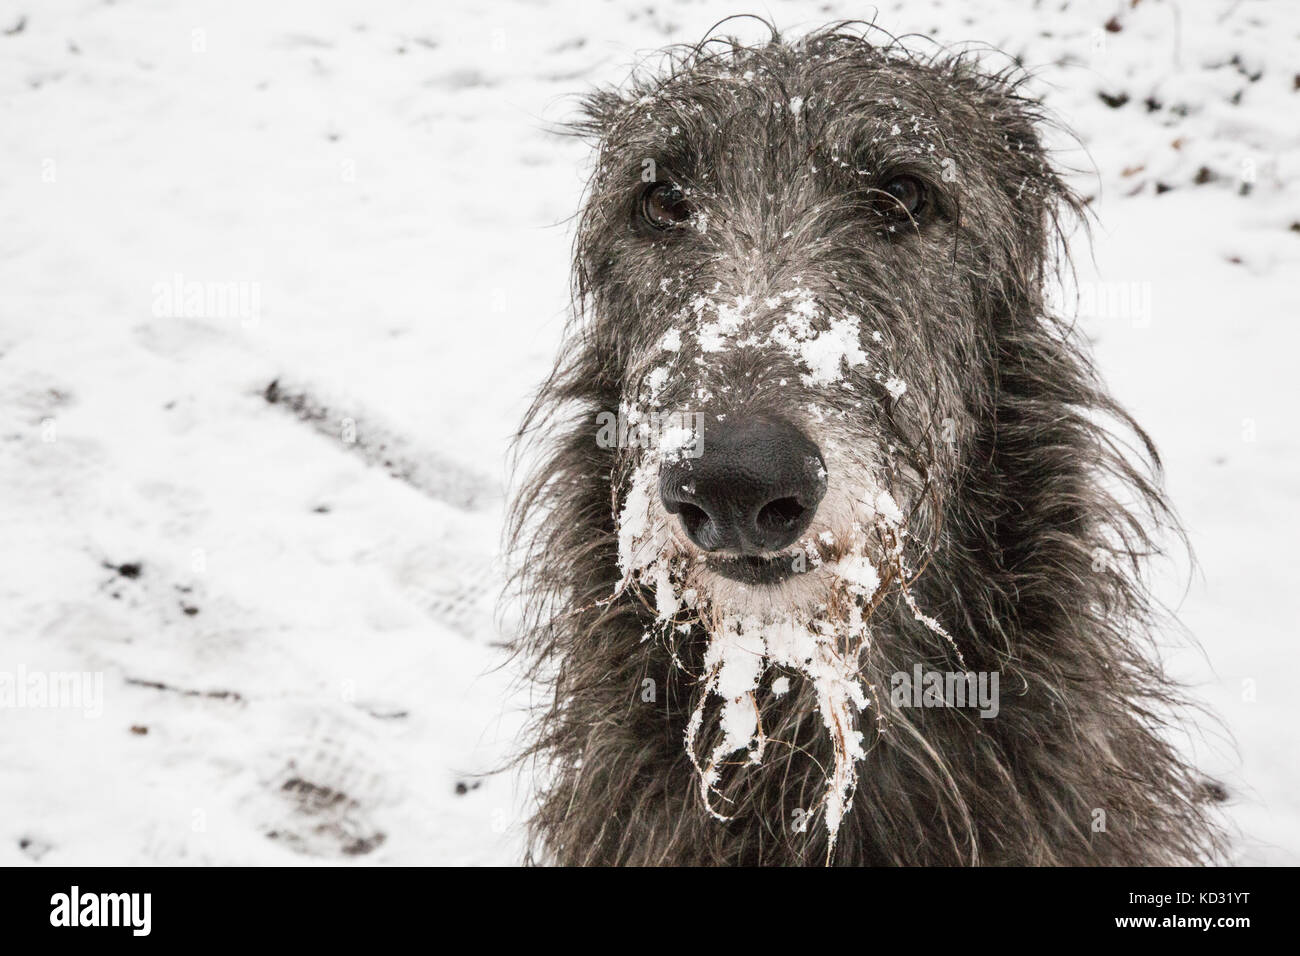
(902, 197)
(663, 205)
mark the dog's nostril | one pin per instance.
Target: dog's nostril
(780, 514)
(692, 518)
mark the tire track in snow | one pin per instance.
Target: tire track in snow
(427, 471)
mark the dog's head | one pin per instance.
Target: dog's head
(799, 263)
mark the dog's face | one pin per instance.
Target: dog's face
(802, 267)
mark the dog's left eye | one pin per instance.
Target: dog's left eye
(903, 197)
(663, 205)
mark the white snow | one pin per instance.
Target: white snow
(656, 381)
(364, 200)
(824, 353)
(859, 573)
(634, 526)
(827, 352)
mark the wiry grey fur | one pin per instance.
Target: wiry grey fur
(1032, 518)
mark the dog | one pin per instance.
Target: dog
(817, 459)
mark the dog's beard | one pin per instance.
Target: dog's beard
(813, 625)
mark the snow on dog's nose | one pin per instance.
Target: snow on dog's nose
(754, 489)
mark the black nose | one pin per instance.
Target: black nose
(755, 488)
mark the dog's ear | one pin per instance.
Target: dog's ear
(596, 112)
(1029, 193)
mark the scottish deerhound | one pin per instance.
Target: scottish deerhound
(814, 440)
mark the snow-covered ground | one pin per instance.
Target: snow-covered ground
(285, 608)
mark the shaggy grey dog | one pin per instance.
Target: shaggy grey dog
(852, 446)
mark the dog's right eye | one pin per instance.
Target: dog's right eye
(902, 198)
(663, 206)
